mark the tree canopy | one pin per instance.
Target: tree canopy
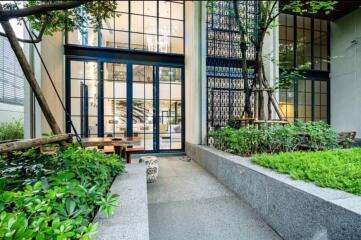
(47, 17)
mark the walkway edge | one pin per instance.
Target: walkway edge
(130, 218)
(294, 209)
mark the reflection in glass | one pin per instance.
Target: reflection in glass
(177, 10)
(150, 25)
(136, 7)
(164, 44)
(121, 22)
(136, 23)
(164, 27)
(107, 38)
(154, 22)
(150, 42)
(121, 40)
(177, 45)
(136, 41)
(177, 28)
(150, 8)
(164, 9)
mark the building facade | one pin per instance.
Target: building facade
(169, 71)
(11, 84)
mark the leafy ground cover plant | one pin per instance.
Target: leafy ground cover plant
(249, 140)
(55, 197)
(338, 169)
(11, 130)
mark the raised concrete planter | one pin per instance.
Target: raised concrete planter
(295, 209)
(130, 219)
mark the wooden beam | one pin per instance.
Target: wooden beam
(29, 143)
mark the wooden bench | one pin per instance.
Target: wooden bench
(108, 149)
(130, 150)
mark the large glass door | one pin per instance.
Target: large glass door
(123, 99)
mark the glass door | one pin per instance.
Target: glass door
(123, 99)
(143, 105)
(115, 99)
(170, 108)
(82, 102)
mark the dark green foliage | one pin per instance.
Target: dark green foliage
(339, 169)
(55, 197)
(11, 130)
(235, 122)
(249, 140)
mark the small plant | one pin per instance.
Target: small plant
(310, 136)
(11, 130)
(339, 169)
(55, 197)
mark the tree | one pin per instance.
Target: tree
(267, 13)
(47, 17)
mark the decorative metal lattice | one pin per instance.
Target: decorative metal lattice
(225, 88)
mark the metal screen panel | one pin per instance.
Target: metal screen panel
(224, 60)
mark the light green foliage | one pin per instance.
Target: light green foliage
(339, 169)
(89, 14)
(55, 197)
(11, 130)
(288, 76)
(311, 7)
(249, 140)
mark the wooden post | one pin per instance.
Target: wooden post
(30, 77)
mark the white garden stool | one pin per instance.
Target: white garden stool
(151, 162)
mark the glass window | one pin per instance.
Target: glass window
(136, 7)
(122, 6)
(150, 8)
(121, 22)
(302, 38)
(311, 101)
(150, 26)
(177, 11)
(84, 97)
(164, 9)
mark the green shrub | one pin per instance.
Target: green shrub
(11, 130)
(339, 169)
(55, 197)
(245, 141)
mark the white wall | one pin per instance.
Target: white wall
(52, 50)
(270, 61)
(10, 112)
(195, 98)
(346, 73)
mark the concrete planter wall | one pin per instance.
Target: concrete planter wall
(130, 218)
(295, 209)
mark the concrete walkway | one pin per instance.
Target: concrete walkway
(187, 203)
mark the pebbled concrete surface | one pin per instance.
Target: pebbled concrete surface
(130, 218)
(187, 203)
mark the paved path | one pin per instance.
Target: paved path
(187, 203)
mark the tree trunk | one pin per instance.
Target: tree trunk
(243, 43)
(247, 90)
(30, 143)
(30, 77)
(258, 94)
